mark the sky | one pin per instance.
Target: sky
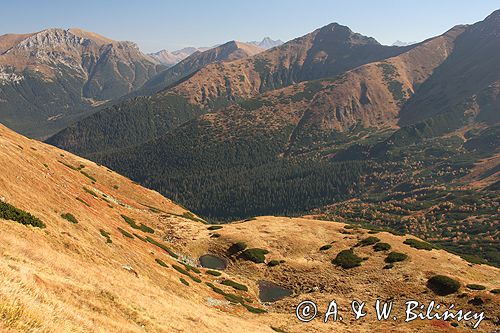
(171, 25)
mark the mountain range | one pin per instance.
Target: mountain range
(324, 118)
(51, 78)
(171, 58)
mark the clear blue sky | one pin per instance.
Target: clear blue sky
(156, 24)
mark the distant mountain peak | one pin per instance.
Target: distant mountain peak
(401, 43)
(267, 43)
(341, 33)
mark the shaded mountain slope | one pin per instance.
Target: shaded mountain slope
(467, 85)
(325, 52)
(52, 77)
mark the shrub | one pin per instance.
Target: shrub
(163, 247)
(216, 289)
(368, 241)
(105, 234)
(190, 216)
(388, 266)
(477, 301)
(347, 259)
(230, 297)
(161, 262)
(83, 202)
(419, 245)
(273, 263)
(195, 279)
(256, 255)
(443, 285)
(69, 217)
(183, 281)
(254, 310)
(214, 273)
(88, 176)
(235, 285)
(381, 247)
(192, 269)
(89, 191)
(495, 291)
(236, 247)
(215, 235)
(181, 270)
(69, 165)
(325, 247)
(125, 233)
(476, 287)
(234, 298)
(9, 212)
(131, 222)
(214, 227)
(395, 257)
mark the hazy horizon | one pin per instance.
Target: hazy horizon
(155, 25)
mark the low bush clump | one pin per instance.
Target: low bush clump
(381, 247)
(325, 247)
(236, 247)
(214, 227)
(181, 270)
(273, 263)
(83, 202)
(89, 191)
(254, 310)
(70, 217)
(105, 234)
(161, 262)
(192, 269)
(443, 285)
(256, 255)
(368, 241)
(131, 222)
(88, 176)
(125, 233)
(216, 235)
(163, 247)
(395, 257)
(476, 287)
(9, 212)
(183, 281)
(388, 266)
(419, 245)
(195, 279)
(495, 291)
(235, 285)
(214, 273)
(192, 217)
(347, 259)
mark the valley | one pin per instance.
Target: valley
(220, 189)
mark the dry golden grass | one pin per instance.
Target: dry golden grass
(66, 278)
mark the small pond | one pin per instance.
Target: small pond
(213, 262)
(271, 292)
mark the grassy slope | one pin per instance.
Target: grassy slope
(67, 278)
